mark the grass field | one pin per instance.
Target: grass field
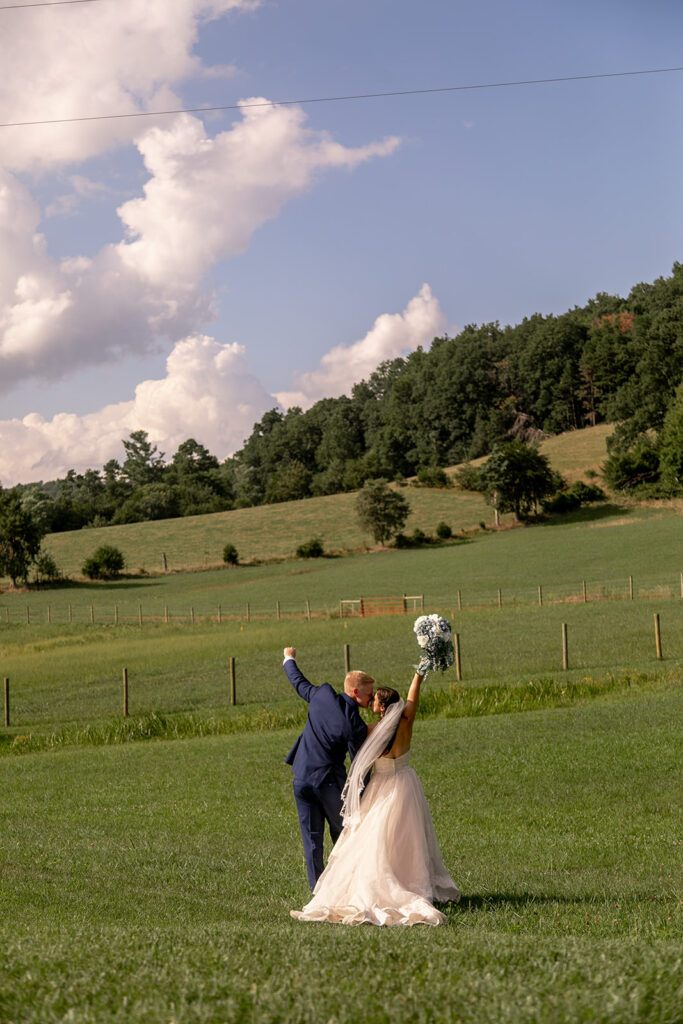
(62, 676)
(275, 531)
(65, 673)
(153, 882)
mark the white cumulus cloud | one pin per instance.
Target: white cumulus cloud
(202, 202)
(209, 393)
(392, 335)
(119, 57)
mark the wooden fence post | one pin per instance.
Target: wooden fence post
(405, 606)
(308, 609)
(49, 616)
(458, 663)
(6, 702)
(92, 614)
(658, 637)
(220, 617)
(248, 613)
(500, 598)
(191, 615)
(7, 609)
(28, 615)
(565, 647)
(459, 601)
(233, 683)
(630, 587)
(164, 563)
(540, 596)
(71, 615)
(165, 613)
(139, 614)
(125, 693)
(347, 658)
(585, 593)
(277, 610)
(116, 615)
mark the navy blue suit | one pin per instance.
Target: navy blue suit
(317, 759)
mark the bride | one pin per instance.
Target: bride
(386, 867)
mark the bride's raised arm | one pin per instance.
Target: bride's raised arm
(413, 698)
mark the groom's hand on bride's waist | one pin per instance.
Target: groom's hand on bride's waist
(289, 652)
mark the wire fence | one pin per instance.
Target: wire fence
(485, 595)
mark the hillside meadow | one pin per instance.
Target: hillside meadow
(270, 532)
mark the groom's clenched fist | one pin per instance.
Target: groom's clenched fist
(290, 652)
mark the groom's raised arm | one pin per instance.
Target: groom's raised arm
(296, 676)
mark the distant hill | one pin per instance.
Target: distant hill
(268, 532)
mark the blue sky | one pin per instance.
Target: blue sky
(281, 256)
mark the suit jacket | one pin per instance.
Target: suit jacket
(333, 727)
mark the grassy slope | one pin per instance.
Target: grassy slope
(275, 531)
(153, 882)
(71, 673)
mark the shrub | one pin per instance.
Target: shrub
(230, 555)
(433, 476)
(312, 548)
(418, 536)
(626, 470)
(469, 478)
(105, 564)
(401, 541)
(569, 500)
(587, 492)
(443, 531)
(46, 569)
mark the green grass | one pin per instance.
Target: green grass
(275, 531)
(604, 550)
(71, 675)
(153, 882)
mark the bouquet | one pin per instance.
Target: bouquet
(436, 640)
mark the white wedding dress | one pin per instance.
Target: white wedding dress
(386, 869)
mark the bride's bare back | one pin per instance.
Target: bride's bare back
(401, 744)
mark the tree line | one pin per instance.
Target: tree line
(617, 360)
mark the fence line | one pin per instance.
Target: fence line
(346, 652)
(543, 595)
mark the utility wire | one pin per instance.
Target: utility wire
(334, 99)
(52, 3)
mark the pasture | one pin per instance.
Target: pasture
(64, 673)
(272, 532)
(152, 882)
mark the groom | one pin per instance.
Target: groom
(317, 758)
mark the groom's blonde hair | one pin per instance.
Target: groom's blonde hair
(357, 681)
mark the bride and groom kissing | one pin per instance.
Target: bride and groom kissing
(385, 867)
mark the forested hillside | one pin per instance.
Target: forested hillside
(614, 360)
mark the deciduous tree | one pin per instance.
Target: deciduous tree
(381, 511)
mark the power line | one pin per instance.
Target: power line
(51, 3)
(332, 99)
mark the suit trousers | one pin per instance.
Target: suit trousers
(316, 805)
